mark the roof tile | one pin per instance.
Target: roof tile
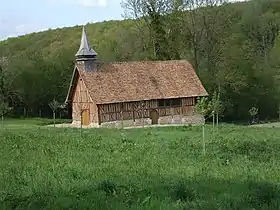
(142, 80)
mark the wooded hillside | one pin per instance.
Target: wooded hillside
(235, 49)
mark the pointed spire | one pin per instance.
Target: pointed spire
(85, 51)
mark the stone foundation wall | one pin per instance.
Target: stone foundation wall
(77, 123)
(177, 119)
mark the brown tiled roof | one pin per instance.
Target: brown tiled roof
(145, 80)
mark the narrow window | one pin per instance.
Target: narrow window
(168, 102)
(161, 103)
(176, 102)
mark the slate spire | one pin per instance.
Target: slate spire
(85, 52)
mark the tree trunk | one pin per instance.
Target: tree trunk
(195, 54)
(203, 140)
(53, 118)
(122, 119)
(217, 120)
(213, 122)
(81, 125)
(2, 120)
(24, 112)
(143, 118)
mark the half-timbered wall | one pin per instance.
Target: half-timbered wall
(82, 101)
(141, 109)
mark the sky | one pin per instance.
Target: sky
(19, 17)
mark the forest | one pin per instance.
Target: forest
(234, 48)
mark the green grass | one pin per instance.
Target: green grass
(31, 122)
(269, 125)
(153, 168)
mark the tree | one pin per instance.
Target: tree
(153, 15)
(203, 107)
(253, 113)
(54, 105)
(260, 31)
(216, 106)
(4, 90)
(261, 26)
(6, 80)
(4, 109)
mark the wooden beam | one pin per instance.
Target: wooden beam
(98, 111)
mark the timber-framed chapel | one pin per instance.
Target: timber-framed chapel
(132, 93)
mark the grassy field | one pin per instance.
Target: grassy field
(152, 168)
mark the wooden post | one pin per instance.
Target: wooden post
(142, 116)
(181, 114)
(122, 118)
(203, 137)
(213, 115)
(99, 114)
(24, 111)
(172, 115)
(217, 120)
(143, 106)
(133, 117)
(2, 119)
(53, 118)
(81, 125)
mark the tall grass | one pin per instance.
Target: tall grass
(153, 168)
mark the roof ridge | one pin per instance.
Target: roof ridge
(148, 61)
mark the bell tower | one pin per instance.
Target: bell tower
(86, 55)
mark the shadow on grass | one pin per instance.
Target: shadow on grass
(157, 193)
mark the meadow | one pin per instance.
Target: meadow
(151, 168)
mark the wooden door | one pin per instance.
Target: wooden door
(85, 117)
(154, 116)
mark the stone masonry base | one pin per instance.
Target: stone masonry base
(176, 119)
